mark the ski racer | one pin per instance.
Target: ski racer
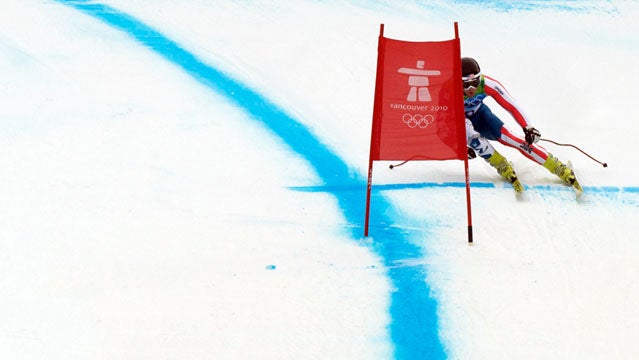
(482, 125)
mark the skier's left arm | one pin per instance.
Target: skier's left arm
(498, 92)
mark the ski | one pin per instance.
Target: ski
(578, 189)
(574, 183)
(518, 187)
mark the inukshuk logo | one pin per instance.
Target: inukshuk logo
(418, 83)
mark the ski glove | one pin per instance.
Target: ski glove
(532, 135)
(471, 153)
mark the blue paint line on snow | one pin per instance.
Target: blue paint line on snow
(588, 190)
(473, 185)
(414, 328)
(382, 187)
(573, 6)
(518, 6)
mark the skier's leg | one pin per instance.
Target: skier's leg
(564, 172)
(475, 141)
(534, 152)
(485, 150)
(491, 127)
(505, 169)
(539, 155)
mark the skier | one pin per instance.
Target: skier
(483, 125)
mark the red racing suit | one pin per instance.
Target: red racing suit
(490, 127)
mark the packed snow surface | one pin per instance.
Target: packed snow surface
(187, 179)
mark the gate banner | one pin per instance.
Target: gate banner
(418, 110)
(418, 113)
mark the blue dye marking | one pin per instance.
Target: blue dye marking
(570, 6)
(382, 187)
(414, 323)
(475, 185)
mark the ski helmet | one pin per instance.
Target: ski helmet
(470, 66)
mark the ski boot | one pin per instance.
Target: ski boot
(505, 169)
(564, 172)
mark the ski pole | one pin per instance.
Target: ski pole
(405, 161)
(391, 166)
(573, 146)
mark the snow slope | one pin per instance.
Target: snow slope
(186, 180)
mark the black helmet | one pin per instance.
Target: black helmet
(470, 66)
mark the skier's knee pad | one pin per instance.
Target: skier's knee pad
(481, 146)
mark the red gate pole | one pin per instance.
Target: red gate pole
(374, 149)
(368, 196)
(468, 207)
(466, 172)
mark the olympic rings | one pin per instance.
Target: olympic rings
(418, 120)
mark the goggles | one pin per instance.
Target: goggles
(471, 81)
